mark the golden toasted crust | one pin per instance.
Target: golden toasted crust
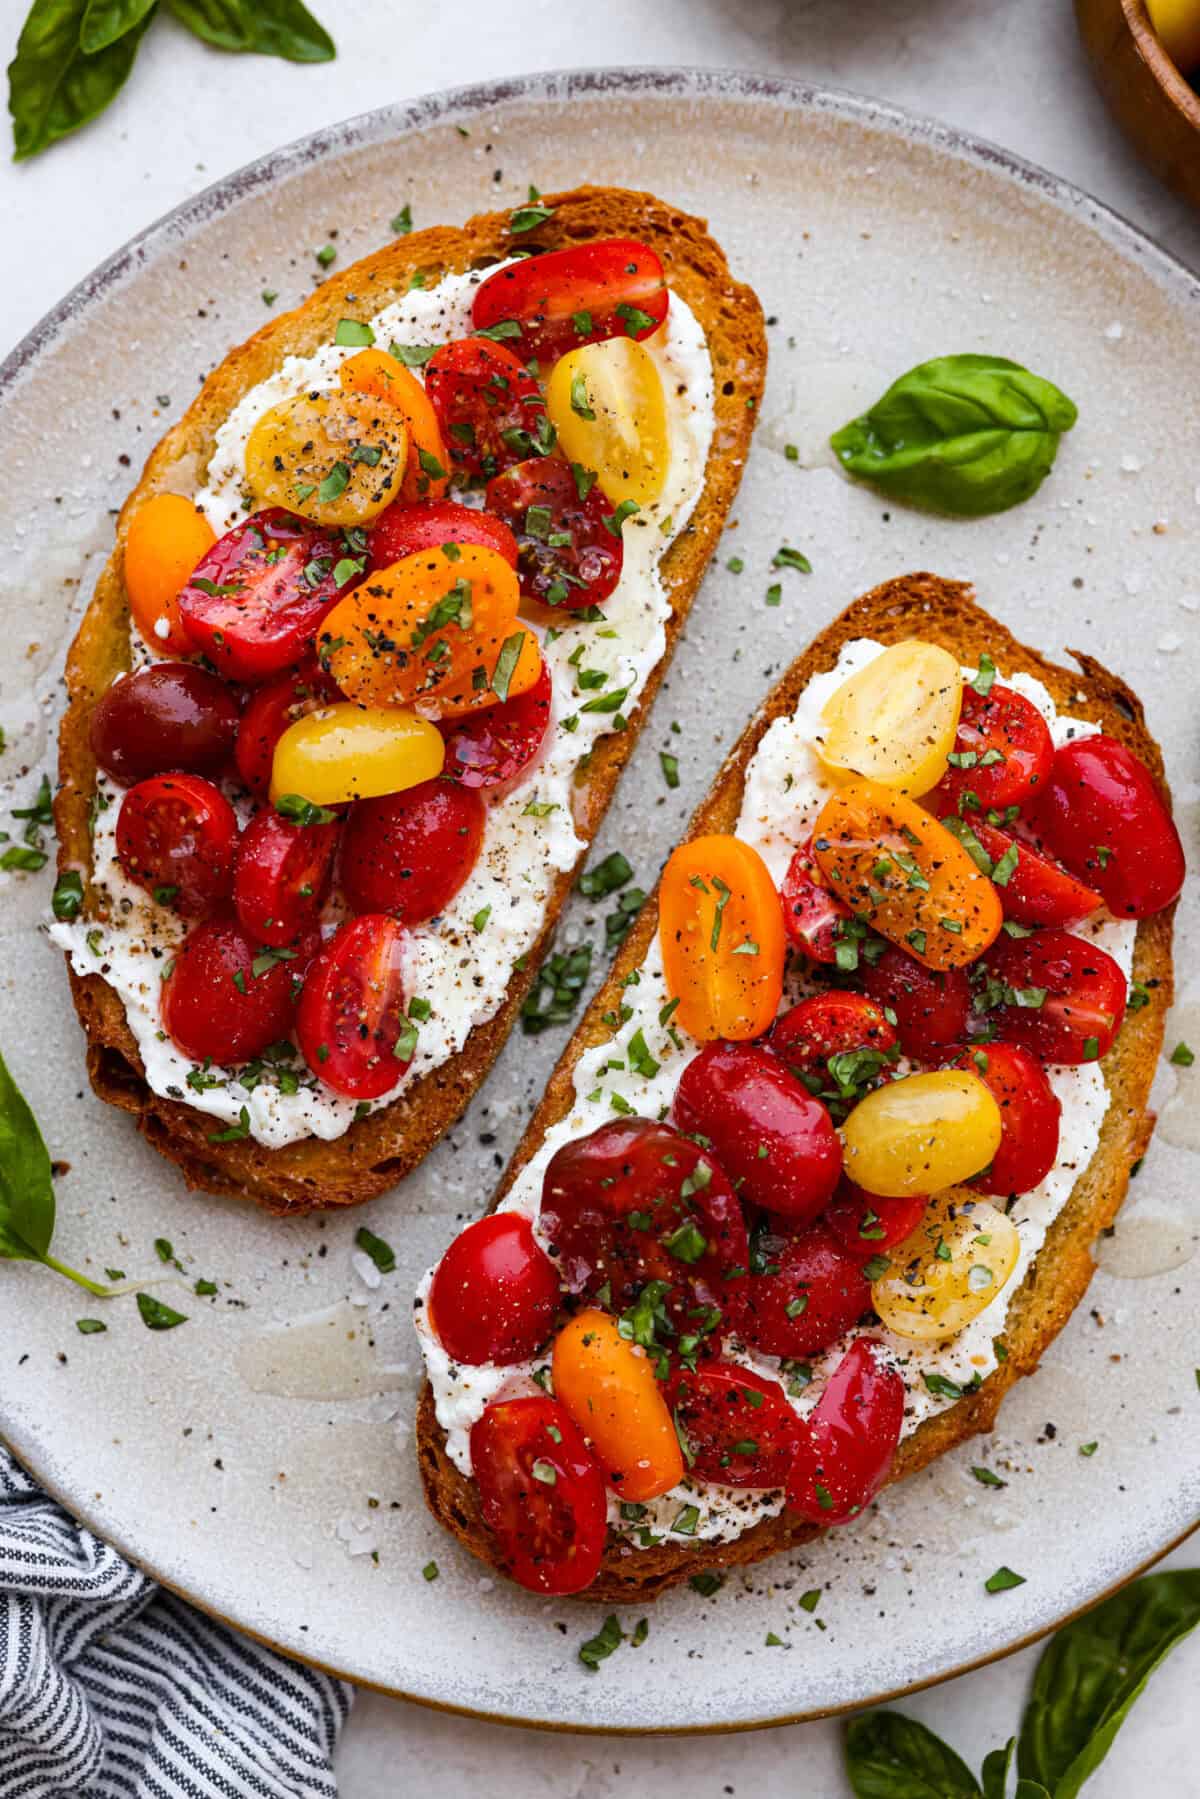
(944, 612)
(381, 1149)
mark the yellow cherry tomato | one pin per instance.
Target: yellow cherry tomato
(166, 539)
(921, 1134)
(895, 720)
(720, 925)
(347, 752)
(433, 631)
(1177, 23)
(901, 871)
(948, 1270)
(337, 459)
(606, 402)
(611, 1391)
(427, 471)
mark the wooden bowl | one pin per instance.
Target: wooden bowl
(1156, 108)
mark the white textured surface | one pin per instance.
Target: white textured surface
(1008, 69)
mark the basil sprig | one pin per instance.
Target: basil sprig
(1088, 1677)
(962, 434)
(27, 1207)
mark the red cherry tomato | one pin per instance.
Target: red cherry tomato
(224, 1000)
(489, 407)
(268, 713)
(844, 1454)
(868, 1225)
(406, 529)
(492, 749)
(171, 715)
(635, 1201)
(775, 1142)
(610, 288)
(1029, 1116)
(541, 1493)
(282, 876)
(409, 853)
(812, 915)
(1084, 1001)
(1105, 818)
(177, 838)
(1003, 752)
(812, 1289)
(494, 1293)
(837, 1043)
(931, 1006)
(255, 602)
(1038, 891)
(568, 555)
(738, 1426)
(351, 1015)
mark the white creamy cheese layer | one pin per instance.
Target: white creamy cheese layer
(784, 791)
(461, 970)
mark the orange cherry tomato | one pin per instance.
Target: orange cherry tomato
(609, 1387)
(427, 471)
(905, 875)
(166, 539)
(722, 936)
(435, 631)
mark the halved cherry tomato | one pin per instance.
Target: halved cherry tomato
(177, 838)
(409, 853)
(609, 1386)
(1030, 1111)
(282, 876)
(961, 1255)
(541, 1493)
(571, 551)
(166, 539)
(1056, 995)
(335, 458)
(493, 749)
(901, 871)
(171, 715)
(738, 1426)
(894, 721)
(227, 1000)
(612, 288)
(1033, 890)
(838, 1044)
(721, 933)
(1002, 754)
(867, 1224)
(346, 752)
(811, 914)
(406, 529)
(494, 1292)
(775, 1142)
(607, 404)
(847, 1444)
(268, 713)
(811, 1290)
(1105, 818)
(931, 1008)
(635, 1202)
(255, 602)
(427, 466)
(921, 1134)
(488, 405)
(351, 1024)
(435, 631)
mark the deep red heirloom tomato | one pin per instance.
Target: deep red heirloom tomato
(224, 999)
(409, 853)
(282, 876)
(738, 1426)
(268, 713)
(177, 838)
(405, 529)
(1001, 757)
(493, 749)
(846, 1448)
(611, 288)
(490, 409)
(812, 915)
(170, 715)
(351, 1020)
(494, 1292)
(541, 1493)
(835, 1041)
(868, 1225)
(569, 556)
(1029, 1115)
(1060, 997)
(1104, 817)
(810, 1289)
(931, 1006)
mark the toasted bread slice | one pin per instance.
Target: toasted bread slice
(382, 1148)
(944, 612)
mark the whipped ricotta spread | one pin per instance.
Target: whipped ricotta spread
(460, 962)
(785, 789)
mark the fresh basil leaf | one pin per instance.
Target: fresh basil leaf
(54, 86)
(960, 434)
(271, 27)
(104, 21)
(26, 1188)
(157, 1315)
(889, 1756)
(996, 1765)
(1093, 1670)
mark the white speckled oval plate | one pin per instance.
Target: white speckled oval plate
(259, 1458)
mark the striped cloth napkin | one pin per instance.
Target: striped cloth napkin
(111, 1688)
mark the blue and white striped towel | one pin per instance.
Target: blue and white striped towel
(111, 1688)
